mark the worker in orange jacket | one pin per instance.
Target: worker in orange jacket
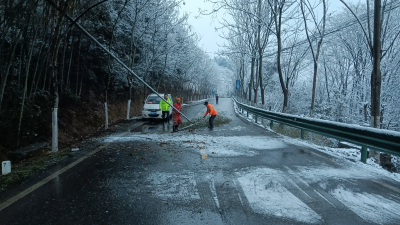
(176, 115)
(213, 113)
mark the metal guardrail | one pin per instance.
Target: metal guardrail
(366, 137)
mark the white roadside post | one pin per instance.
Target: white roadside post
(5, 167)
(128, 110)
(106, 114)
(54, 136)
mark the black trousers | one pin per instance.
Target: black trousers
(163, 116)
(211, 121)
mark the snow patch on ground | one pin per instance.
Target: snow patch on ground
(370, 207)
(353, 166)
(314, 174)
(238, 128)
(267, 196)
(212, 145)
(180, 186)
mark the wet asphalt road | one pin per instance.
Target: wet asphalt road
(237, 173)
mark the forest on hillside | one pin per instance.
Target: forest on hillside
(51, 71)
(305, 58)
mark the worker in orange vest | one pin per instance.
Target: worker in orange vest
(213, 113)
(176, 115)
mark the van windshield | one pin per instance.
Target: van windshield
(153, 100)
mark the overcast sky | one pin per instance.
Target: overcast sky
(205, 25)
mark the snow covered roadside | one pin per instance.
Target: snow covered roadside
(352, 154)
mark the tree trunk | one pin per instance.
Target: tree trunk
(4, 80)
(255, 86)
(251, 77)
(284, 89)
(313, 88)
(21, 53)
(36, 69)
(67, 82)
(28, 63)
(44, 64)
(128, 111)
(261, 80)
(108, 78)
(77, 68)
(46, 67)
(376, 74)
(326, 83)
(63, 61)
(106, 115)
(53, 74)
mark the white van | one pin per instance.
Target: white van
(151, 107)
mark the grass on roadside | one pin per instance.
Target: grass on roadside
(26, 168)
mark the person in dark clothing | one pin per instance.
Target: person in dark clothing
(213, 113)
(216, 98)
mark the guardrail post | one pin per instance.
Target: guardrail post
(364, 153)
(247, 114)
(256, 118)
(271, 124)
(302, 134)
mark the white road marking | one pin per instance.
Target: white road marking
(267, 196)
(324, 198)
(387, 186)
(294, 184)
(293, 173)
(371, 207)
(240, 198)
(214, 193)
(394, 196)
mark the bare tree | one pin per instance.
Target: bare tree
(320, 33)
(278, 8)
